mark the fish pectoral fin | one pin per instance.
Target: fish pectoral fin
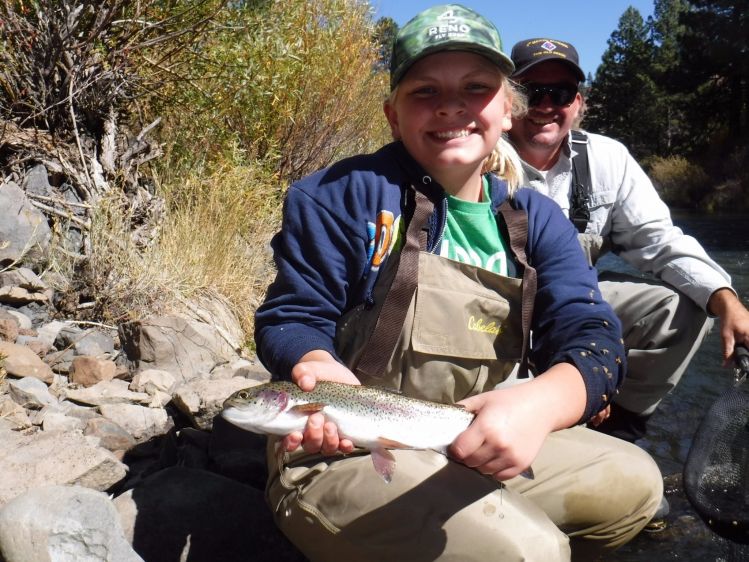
(384, 463)
(280, 455)
(307, 409)
(386, 443)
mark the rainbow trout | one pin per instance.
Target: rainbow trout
(371, 418)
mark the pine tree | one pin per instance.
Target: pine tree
(621, 102)
(385, 31)
(714, 56)
(666, 30)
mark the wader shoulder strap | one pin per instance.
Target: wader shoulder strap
(385, 335)
(579, 211)
(516, 221)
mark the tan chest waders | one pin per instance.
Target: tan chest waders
(442, 330)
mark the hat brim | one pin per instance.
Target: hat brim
(504, 62)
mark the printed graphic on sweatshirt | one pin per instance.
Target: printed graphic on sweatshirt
(383, 237)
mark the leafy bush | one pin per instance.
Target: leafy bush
(245, 97)
(293, 83)
(679, 182)
(273, 92)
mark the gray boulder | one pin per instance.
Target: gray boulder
(186, 348)
(63, 523)
(24, 232)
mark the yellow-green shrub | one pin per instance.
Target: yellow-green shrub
(275, 90)
(679, 182)
(292, 84)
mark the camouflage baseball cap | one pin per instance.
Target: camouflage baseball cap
(447, 27)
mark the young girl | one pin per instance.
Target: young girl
(415, 268)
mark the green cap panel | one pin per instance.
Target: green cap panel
(447, 27)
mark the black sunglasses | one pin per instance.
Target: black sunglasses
(561, 95)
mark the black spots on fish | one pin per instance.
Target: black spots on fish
(388, 389)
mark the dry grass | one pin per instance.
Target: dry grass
(220, 241)
(213, 246)
(277, 92)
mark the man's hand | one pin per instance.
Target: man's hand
(734, 321)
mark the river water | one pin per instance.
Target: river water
(670, 432)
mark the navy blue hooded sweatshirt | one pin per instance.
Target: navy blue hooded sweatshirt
(325, 259)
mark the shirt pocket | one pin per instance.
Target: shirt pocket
(600, 204)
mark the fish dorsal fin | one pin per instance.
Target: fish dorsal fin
(307, 409)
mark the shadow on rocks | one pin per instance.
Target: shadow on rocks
(184, 514)
(199, 496)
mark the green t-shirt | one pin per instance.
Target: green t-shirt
(471, 234)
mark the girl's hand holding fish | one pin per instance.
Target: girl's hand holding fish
(319, 365)
(504, 438)
(512, 423)
(319, 435)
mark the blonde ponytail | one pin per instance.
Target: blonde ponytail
(504, 160)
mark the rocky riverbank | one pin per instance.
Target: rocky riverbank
(111, 449)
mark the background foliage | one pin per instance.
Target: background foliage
(678, 85)
(245, 96)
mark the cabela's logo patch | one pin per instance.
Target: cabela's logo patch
(481, 325)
